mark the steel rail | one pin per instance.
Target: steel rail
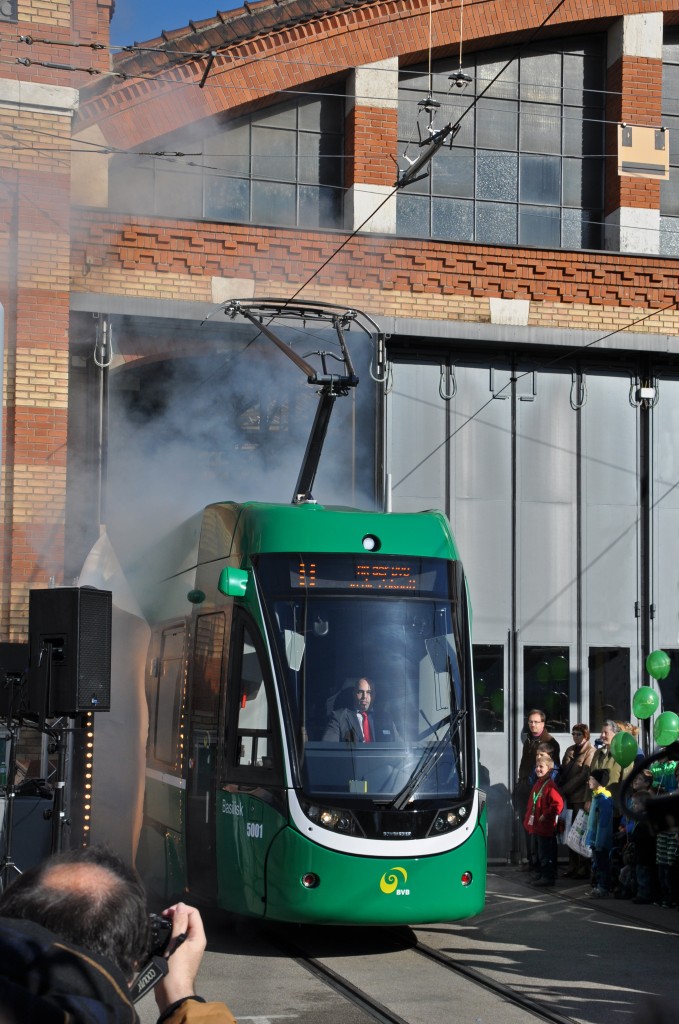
(379, 1012)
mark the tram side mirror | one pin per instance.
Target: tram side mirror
(233, 582)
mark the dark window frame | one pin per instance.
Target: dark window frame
(512, 220)
(214, 183)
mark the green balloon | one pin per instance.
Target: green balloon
(666, 728)
(542, 672)
(559, 669)
(645, 702)
(658, 664)
(624, 748)
(497, 701)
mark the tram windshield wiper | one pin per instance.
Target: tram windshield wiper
(429, 759)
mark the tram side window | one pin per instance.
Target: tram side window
(253, 737)
(207, 667)
(165, 711)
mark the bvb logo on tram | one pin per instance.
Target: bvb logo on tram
(390, 882)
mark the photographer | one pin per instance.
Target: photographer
(74, 932)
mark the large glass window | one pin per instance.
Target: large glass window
(489, 687)
(609, 686)
(526, 166)
(669, 687)
(546, 676)
(374, 654)
(279, 166)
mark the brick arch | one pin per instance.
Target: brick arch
(133, 112)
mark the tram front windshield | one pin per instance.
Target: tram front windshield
(373, 653)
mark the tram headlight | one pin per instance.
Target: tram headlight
(445, 821)
(332, 818)
(448, 818)
(371, 543)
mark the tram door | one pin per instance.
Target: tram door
(251, 805)
(205, 677)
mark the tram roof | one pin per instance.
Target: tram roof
(259, 526)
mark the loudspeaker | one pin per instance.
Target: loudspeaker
(70, 651)
(13, 668)
(31, 831)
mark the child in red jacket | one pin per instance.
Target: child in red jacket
(545, 804)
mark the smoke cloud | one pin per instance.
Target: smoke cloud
(183, 434)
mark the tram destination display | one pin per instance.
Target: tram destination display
(416, 576)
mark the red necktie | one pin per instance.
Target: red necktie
(366, 727)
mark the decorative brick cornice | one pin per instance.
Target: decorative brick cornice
(139, 249)
(327, 40)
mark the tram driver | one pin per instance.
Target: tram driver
(354, 719)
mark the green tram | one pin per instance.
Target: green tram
(263, 796)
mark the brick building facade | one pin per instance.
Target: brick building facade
(38, 100)
(260, 53)
(179, 195)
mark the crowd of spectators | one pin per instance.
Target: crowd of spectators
(622, 856)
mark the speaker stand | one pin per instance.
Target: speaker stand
(8, 868)
(59, 819)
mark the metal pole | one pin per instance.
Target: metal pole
(2, 377)
(9, 868)
(103, 361)
(59, 805)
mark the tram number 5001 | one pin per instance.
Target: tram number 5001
(254, 830)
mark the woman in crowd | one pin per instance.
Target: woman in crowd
(603, 759)
(572, 783)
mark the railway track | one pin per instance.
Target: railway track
(374, 973)
(532, 955)
(377, 1010)
(508, 994)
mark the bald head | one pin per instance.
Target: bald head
(86, 897)
(91, 880)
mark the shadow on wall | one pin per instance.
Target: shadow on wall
(500, 817)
